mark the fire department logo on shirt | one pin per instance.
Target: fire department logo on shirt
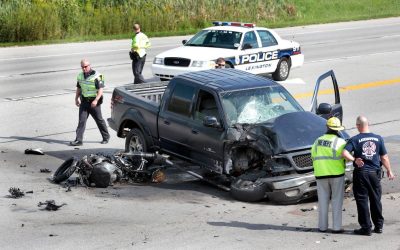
(369, 149)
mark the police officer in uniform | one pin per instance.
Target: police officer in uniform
(89, 97)
(140, 42)
(329, 169)
(369, 154)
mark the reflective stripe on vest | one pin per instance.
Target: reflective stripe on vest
(327, 156)
(140, 42)
(88, 85)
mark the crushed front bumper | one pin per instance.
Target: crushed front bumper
(291, 189)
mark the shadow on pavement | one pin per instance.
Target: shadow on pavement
(283, 227)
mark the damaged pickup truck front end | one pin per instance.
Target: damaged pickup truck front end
(267, 146)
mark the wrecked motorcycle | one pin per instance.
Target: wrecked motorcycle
(97, 170)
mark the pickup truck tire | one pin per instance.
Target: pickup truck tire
(66, 169)
(248, 191)
(135, 141)
(282, 70)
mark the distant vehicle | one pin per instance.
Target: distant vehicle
(245, 129)
(243, 45)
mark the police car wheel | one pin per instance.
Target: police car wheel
(248, 191)
(282, 70)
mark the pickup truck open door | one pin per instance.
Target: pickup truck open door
(327, 110)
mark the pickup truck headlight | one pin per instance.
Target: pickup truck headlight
(158, 60)
(203, 64)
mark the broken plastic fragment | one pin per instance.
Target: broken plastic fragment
(34, 151)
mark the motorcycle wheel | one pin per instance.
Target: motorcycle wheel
(66, 169)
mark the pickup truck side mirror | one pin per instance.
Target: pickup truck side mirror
(324, 109)
(247, 46)
(184, 42)
(211, 121)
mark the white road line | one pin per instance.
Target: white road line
(343, 29)
(350, 57)
(37, 96)
(77, 53)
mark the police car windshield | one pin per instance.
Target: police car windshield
(216, 38)
(252, 106)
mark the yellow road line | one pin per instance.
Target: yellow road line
(350, 88)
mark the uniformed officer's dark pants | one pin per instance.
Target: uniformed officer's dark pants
(137, 68)
(84, 110)
(367, 186)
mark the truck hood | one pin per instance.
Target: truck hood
(198, 53)
(286, 133)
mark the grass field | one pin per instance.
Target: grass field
(25, 22)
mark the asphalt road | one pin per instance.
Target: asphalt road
(37, 110)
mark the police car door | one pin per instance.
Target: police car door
(325, 103)
(249, 58)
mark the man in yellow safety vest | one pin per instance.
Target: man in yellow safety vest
(89, 97)
(329, 169)
(140, 42)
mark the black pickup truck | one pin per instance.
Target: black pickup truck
(245, 128)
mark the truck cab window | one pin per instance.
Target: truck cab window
(181, 99)
(206, 106)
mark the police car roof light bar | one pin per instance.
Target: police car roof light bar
(237, 24)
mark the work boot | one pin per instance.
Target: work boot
(378, 230)
(75, 143)
(362, 231)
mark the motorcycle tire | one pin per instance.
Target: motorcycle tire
(66, 169)
(248, 191)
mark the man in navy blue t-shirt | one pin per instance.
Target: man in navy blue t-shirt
(369, 153)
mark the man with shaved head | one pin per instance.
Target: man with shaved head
(369, 154)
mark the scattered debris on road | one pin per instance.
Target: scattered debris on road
(22, 166)
(45, 170)
(50, 205)
(308, 209)
(34, 151)
(15, 193)
(29, 192)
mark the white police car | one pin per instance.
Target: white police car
(243, 46)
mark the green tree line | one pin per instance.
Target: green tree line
(40, 20)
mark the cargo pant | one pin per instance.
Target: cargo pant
(330, 189)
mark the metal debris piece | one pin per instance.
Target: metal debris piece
(34, 151)
(22, 166)
(45, 170)
(308, 209)
(15, 193)
(29, 192)
(50, 205)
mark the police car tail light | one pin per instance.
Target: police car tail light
(238, 24)
(296, 51)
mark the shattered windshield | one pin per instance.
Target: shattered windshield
(216, 38)
(257, 105)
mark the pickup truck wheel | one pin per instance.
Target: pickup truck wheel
(282, 70)
(135, 141)
(249, 191)
(66, 169)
